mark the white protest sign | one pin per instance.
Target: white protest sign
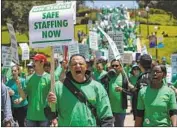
(84, 50)
(93, 40)
(6, 56)
(127, 58)
(73, 49)
(174, 63)
(25, 51)
(118, 39)
(58, 49)
(138, 44)
(111, 43)
(51, 25)
(73, 7)
(14, 46)
(169, 74)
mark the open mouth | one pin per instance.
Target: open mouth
(78, 72)
(155, 78)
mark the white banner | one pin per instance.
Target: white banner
(174, 63)
(118, 39)
(73, 7)
(127, 58)
(169, 74)
(51, 25)
(111, 43)
(25, 51)
(6, 56)
(93, 40)
(14, 46)
(58, 49)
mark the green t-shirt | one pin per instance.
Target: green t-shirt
(12, 85)
(74, 113)
(175, 84)
(116, 97)
(98, 75)
(156, 103)
(37, 89)
(57, 73)
(133, 80)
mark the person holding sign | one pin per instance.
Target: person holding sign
(156, 103)
(37, 89)
(78, 94)
(19, 104)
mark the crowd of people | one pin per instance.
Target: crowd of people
(89, 93)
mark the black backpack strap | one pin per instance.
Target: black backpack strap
(79, 95)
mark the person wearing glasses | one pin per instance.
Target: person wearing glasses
(156, 103)
(118, 98)
(73, 112)
(19, 104)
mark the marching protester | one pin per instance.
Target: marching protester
(135, 72)
(145, 63)
(6, 112)
(37, 89)
(80, 100)
(156, 103)
(19, 104)
(118, 98)
(99, 72)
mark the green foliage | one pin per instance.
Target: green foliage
(156, 19)
(157, 11)
(167, 5)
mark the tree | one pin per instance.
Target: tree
(167, 5)
(17, 13)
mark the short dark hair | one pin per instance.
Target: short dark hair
(163, 68)
(99, 61)
(145, 61)
(76, 55)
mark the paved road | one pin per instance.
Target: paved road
(129, 117)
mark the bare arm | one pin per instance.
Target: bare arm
(174, 120)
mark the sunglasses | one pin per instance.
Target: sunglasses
(115, 66)
(135, 68)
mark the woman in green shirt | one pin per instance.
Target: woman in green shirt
(19, 105)
(156, 103)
